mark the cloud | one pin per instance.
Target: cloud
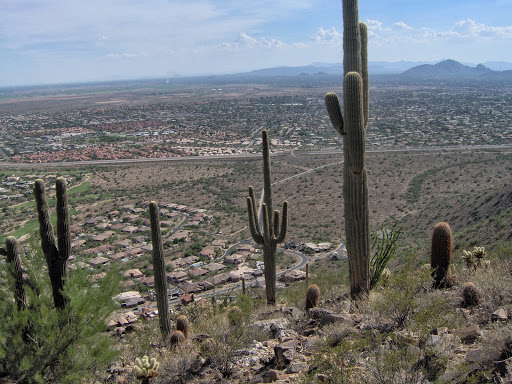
(330, 34)
(469, 28)
(246, 41)
(402, 25)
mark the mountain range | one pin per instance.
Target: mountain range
(447, 69)
(451, 69)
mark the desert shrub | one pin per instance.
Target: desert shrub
(42, 344)
(337, 362)
(384, 242)
(235, 316)
(398, 300)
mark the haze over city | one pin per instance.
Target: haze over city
(60, 41)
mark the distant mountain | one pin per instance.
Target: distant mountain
(498, 65)
(313, 69)
(451, 69)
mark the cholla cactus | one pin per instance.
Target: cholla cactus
(145, 369)
(475, 259)
(386, 274)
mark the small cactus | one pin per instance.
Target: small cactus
(235, 316)
(470, 295)
(176, 338)
(312, 296)
(441, 255)
(183, 325)
(145, 369)
(475, 259)
(385, 276)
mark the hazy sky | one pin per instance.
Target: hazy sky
(50, 41)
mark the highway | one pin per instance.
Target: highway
(293, 153)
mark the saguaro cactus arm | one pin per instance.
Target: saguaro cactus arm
(332, 102)
(13, 258)
(253, 218)
(281, 235)
(56, 258)
(63, 227)
(48, 243)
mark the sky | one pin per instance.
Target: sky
(61, 41)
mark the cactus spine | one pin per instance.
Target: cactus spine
(13, 258)
(353, 131)
(268, 235)
(56, 252)
(159, 270)
(441, 255)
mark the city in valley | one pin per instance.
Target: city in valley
(435, 151)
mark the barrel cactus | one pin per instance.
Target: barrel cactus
(441, 255)
(353, 130)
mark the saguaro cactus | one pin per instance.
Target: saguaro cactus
(55, 252)
(353, 130)
(159, 270)
(13, 258)
(268, 234)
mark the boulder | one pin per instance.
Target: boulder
(284, 353)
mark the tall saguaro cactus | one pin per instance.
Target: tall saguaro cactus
(159, 270)
(268, 234)
(55, 252)
(13, 258)
(353, 130)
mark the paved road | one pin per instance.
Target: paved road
(253, 156)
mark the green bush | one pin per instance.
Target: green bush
(41, 344)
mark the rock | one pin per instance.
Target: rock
(270, 376)
(256, 379)
(468, 334)
(316, 313)
(271, 326)
(286, 334)
(481, 355)
(500, 315)
(294, 312)
(284, 353)
(329, 318)
(295, 367)
(442, 343)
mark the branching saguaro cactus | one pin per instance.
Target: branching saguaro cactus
(268, 234)
(353, 130)
(159, 270)
(55, 252)
(13, 259)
